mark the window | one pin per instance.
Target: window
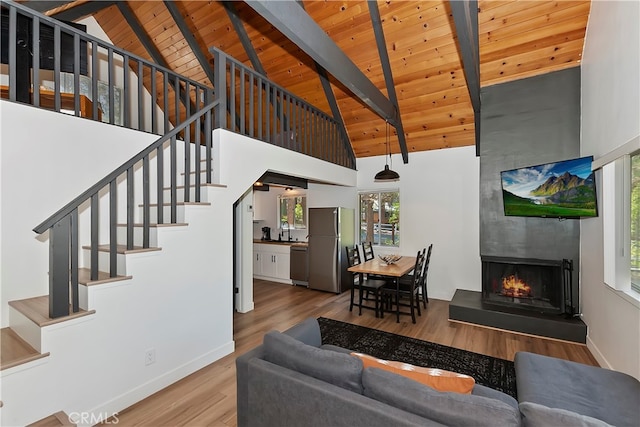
(635, 222)
(621, 223)
(292, 212)
(380, 218)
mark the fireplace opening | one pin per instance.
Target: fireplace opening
(531, 284)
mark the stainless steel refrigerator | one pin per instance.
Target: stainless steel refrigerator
(330, 230)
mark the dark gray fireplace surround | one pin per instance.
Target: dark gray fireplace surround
(523, 123)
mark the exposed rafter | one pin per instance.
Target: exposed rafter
(465, 17)
(43, 6)
(388, 76)
(331, 99)
(82, 10)
(248, 48)
(292, 21)
(243, 36)
(191, 40)
(150, 47)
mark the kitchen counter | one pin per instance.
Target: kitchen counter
(280, 242)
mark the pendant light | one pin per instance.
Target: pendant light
(387, 175)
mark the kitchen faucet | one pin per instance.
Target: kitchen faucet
(288, 230)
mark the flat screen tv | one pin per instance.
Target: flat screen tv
(564, 189)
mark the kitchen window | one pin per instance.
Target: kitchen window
(292, 212)
(380, 218)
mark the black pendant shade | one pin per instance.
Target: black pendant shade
(387, 174)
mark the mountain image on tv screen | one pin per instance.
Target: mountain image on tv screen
(564, 189)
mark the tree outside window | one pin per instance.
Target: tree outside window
(380, 218)
(293, 212)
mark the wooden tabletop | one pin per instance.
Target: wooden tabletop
(376, 266)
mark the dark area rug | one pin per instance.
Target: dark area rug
(498, 374)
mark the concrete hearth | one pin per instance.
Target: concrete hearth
(467, 306)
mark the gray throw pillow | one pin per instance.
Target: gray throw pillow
(342, 370)
(453, 409)
(534, 415)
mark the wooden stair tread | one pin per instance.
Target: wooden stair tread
(166, 224)
(55, 420)
(180, 204)
(122, 249)
(15, 351)
(84, 277)
(37, 310)
(201, 185)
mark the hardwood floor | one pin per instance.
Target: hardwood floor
(208, 397)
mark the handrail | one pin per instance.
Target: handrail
(264, 110)
(102, 71)
(83, 197)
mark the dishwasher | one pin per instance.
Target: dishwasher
(299, 265)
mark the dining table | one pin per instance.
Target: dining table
(393, 271)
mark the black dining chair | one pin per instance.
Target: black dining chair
(363, 284)
(406, 287)
(423, 285)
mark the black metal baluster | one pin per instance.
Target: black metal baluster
(260, 118)
(242, 102)
(174, 177)
(154, 101)
(165, 86)
(160, 183)
(56, 69)
(126, 110)
(95, 237)
(130, 206)
(74, 264)
(251, 100)
(59, 268)
(207, 134)
(94, 80)
(36, 60)
(111, 85)
(113, 229)
(198, 160)
(232, 95)
(146, 204)
(140, 96)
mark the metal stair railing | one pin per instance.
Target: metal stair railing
(259, 108)
(63, 227)
(98, 83)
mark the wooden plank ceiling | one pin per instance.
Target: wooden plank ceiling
(518, 39)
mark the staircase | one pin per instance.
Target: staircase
(142, 269)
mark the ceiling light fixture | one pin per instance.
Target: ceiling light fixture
(387, 174)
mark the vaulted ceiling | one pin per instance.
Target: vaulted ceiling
(517, 39)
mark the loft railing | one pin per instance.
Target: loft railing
(55, 66)
(63, 226)
(263, 110)
(52, 65)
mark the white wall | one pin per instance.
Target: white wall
(610, 118)
(439, 204)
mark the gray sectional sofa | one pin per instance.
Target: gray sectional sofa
(292, 379)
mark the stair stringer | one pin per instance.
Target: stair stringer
(178, 302)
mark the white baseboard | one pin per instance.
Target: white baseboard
(593, 348)
(111, 407)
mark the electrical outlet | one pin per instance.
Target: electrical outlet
(150, 356)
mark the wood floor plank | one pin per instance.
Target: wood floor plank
(208, 397)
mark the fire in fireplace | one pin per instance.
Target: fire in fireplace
(524, 283)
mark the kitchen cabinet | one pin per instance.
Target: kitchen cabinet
(272, 262)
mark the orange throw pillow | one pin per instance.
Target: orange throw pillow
(437, 379)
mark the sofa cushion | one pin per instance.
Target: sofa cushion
(340, 369)
(438, 379)
(540, 415)
(443, 407)
(598, 393)
(307, 331)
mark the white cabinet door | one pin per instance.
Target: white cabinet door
(271, 262)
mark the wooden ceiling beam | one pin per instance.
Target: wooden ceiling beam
(376, 22)
(292, 21)
(191, 40)
(333, 104)
(43, 6)
(465, 18)
(243, 36)
(82, 10)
